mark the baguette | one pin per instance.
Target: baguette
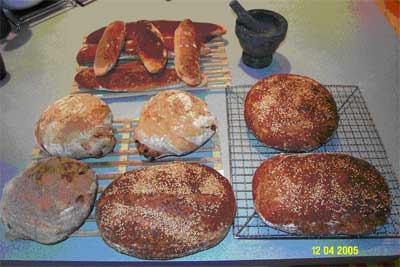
(150, 46)
(187, 53)
(126, 77)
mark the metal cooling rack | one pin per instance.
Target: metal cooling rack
(214, 66)
(356, 135)
(125, 158)
(39, 13)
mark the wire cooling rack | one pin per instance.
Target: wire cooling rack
(356, 135)
(125, 157)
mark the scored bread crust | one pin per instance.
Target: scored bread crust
(291, 112)
(49, 200)
(320, 194)
(187, 53)
(150, 46)
(173, 122)
(166, 211)
(76, 126)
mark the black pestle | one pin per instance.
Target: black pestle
(246, 18)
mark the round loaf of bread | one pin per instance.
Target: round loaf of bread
(76, 126)
(320, 194)
(291, 112)
(173, 122)
(48, 201)
(166, 211)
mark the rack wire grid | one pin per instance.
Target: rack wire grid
(125, 157)
(356, 135)
(214, 66)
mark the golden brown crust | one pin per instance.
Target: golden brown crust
(205, 31)
(87, 53)
(166, 211)
(126, 77)
(320, 194)
(109, 48)
(150, 46)
(187, 53)
(291, 112)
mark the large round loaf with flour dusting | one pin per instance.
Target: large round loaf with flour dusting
(173, 122)
(76, 126)
(48, 201)
(166, 211)
(320, 194)
(291, 112)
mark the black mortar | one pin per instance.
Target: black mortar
(258, 47)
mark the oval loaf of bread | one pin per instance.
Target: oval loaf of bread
(166, 211)
(320, 194)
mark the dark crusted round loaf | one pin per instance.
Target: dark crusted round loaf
(166, 211)
(49, 200)
(291, 112)
(320, 194)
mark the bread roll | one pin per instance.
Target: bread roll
(173, 122)
(109, 48)
(48, 201)
(76, 126)
(150, 46)
(166, 211)
(187, 53)
(291, 112)
(320, 194)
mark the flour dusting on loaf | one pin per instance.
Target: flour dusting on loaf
(76, 126)
(173, 122)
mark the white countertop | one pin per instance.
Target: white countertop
(334, 42)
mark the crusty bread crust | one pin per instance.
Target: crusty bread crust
(150, 46)
(109, 48)
(205, 31)
(76, 126)
(187, 53)
(166, 211)
(87, 53)
(126, 77)
(146, 151)
(49, 200)
(320, 194)
(291, 112)
(173, 122)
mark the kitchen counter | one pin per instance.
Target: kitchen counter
(334, 42)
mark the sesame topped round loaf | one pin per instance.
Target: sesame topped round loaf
(291, 112)
(166, 211)
(76, 126)
(320, 194)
